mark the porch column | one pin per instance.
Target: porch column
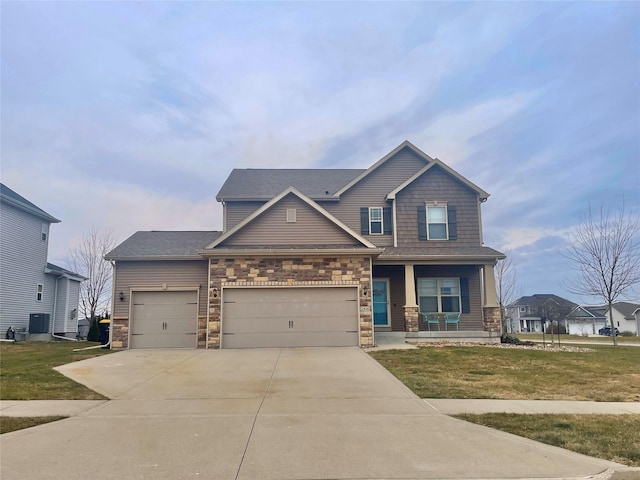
(490, 298)
(490, 309)
(411, 310)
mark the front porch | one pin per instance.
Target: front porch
(403, 293)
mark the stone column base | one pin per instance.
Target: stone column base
(491, 319)
(411, 319)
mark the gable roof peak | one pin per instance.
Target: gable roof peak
(12, 198)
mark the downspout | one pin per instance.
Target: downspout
(53, 317)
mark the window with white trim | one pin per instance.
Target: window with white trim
(375, 221)
(45, 232)
(437, 222)
(439, 295)
(39, 292)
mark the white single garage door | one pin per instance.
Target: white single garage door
(164, 319)
(289, 317)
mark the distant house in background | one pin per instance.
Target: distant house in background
(35, 295)
(528, 313)
(626, 316)
(585, 321)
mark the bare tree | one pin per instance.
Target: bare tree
(88, 260)
(605, 250)
(506, 279)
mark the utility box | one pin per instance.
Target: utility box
(38, 323)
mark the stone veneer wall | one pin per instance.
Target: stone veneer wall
(491, 319)
(411, 319)
(119, 332)
(306, 271)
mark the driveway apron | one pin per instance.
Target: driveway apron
(308, 413)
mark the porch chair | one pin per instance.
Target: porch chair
(451, 319)
(431, 319)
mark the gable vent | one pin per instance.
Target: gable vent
(291, 215)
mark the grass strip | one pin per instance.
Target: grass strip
(26, 371)
(609, 437)
(11, 424)
(604, 374)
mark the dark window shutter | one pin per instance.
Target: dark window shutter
(453, 226)
(364, 220)
(464, 294)
(422, 222)
(387, 216)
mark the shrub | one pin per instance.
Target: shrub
(627, 333)
(94, 332)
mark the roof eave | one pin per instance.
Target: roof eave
(449, 259)
(288, 252)
(143, 258)
(27, 208)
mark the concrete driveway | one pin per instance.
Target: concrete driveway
(267, 414)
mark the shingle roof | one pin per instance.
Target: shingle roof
(155, 244)
(11, 197)
(542, 298)
(626, 308)
(264, 184)
(59, 270)
(452, 251)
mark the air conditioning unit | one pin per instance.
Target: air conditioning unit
(38, 323)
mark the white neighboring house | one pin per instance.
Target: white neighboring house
(626, 316)
(35, 295)
(585, 321)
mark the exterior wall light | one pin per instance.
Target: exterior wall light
(121, 296)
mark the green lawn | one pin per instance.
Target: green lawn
(26, 371)
(606, 374)
(575, 338)
(10, 424)
(610, 437)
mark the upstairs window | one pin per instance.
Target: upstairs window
(45, 232)
(375, 220)
(39, 292)
(436, 223)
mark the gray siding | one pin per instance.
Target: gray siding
(468, 321)
(272, 228)
(153, 274)
(235, 212)
(436, 184)
(59, 321)
(23, 256)
(74, 299)
(372, 190)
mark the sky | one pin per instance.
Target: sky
(130, 115)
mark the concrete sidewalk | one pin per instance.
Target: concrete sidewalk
(70, 408)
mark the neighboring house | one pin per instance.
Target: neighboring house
(529, 313)
(585, 321)
(35, 295)
(318, 257)
(626, 316)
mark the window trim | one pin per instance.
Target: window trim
(39, 292)
(381, 221)
(44, 233)
(439, 295)
(446, 220)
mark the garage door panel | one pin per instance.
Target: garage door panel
(289, 317)
(166, 319)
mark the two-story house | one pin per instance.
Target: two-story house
(532, 312)
(317, 257)
(35, 295)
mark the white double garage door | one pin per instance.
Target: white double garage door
(251, 318)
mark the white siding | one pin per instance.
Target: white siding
(23, 256)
